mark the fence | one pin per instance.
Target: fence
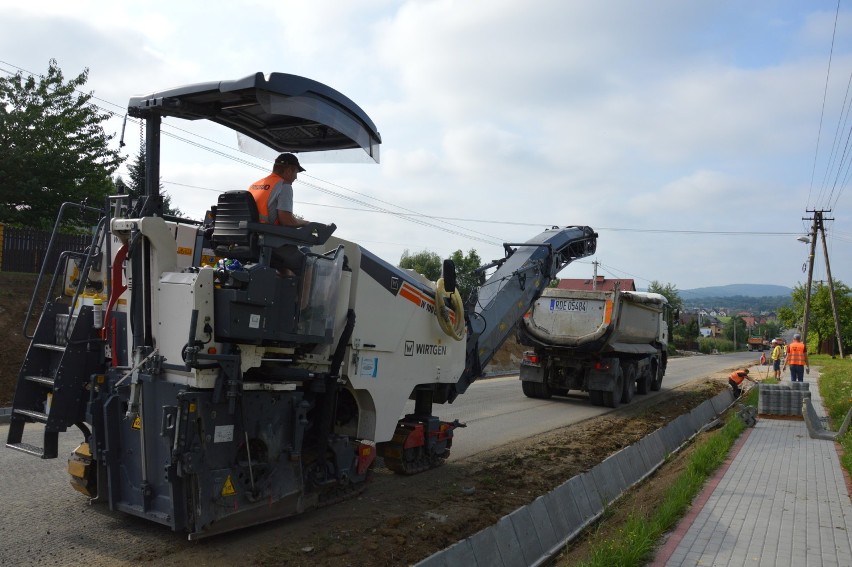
(24, 249)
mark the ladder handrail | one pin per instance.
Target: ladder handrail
(50, 245)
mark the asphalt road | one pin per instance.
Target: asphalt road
(496, 410)
(45, 522)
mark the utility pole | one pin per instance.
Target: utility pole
(595, 277)
(819, 228)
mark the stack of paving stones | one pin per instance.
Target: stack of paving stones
(534, 533)
(782, 399)
(748, 415)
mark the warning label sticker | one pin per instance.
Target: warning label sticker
(228, 487)
(137, 423)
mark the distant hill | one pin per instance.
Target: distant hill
(742, 290)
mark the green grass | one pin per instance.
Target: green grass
(640, 536)
(835, 388)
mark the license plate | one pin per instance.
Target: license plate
(568, 305)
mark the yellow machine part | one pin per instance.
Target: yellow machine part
(82, 471)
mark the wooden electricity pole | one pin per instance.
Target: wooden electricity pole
(818, 228)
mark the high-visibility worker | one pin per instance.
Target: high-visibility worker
(736, 379)
(273, 195)
(797, 359)
(775, 357)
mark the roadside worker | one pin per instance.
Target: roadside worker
(737, 377)
(274, 197)
(775, 357)
(797, 359)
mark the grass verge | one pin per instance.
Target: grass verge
(835, 388)
(640, 536)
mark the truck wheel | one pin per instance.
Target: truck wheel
(629, 385)
(613, 399)
(535, 390)
(643, 384)
(657, 380)
(529, 389)
(596, 397)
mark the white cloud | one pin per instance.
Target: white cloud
(673, 115)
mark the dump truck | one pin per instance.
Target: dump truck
(214, 392)
(611, 344)
(757, 344)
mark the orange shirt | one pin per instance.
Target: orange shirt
(261, 190)
(737, 377)
(796, 353)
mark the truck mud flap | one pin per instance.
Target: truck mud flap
(529, 373)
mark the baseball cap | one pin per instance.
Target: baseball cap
(289, 159)
(797, 337)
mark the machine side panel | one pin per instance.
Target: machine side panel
(397, 343)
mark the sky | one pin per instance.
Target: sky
(692, 136)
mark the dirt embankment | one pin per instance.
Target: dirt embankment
(15, 293)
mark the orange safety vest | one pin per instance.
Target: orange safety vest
(735, 376)
(261, 190)
(796, 354)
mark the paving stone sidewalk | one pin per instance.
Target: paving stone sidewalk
(783, 501)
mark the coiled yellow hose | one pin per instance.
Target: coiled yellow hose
(455, 330)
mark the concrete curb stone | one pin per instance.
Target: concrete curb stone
(721, 401)
(669, 438)
(507, 543)
(543, 524)
(654, 450)
(526, 534)
(559, 521)
(607, 476)
(484, 546)
(575, 515)
(635, 463)
(575, 490)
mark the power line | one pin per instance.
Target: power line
(824, 95)
(536, 224)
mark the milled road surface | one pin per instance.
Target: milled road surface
(496, 410)
(46, 522)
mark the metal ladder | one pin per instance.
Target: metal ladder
(65, 355)
(52, 383)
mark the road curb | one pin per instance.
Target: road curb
(535, 533)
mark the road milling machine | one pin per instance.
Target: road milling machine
(215, 393)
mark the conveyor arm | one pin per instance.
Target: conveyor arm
(509, 292)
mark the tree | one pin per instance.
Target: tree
(430, 265)
(821, 317)
(670, 292)
(427, 263)
(768, 330)
(466, 279)
(136, 189)
(54, 148)
(736, 329)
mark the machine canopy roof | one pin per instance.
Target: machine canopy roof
(284, 112)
